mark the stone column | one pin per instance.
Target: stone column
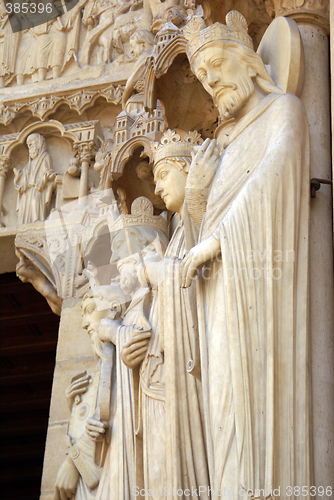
(85, 152)
(312, 19)
(5, 162)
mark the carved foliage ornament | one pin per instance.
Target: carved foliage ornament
(5, 162)
(42, 108)
(282, 7)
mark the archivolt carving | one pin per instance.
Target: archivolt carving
(44, 107)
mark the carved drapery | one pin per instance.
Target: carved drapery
(5, 163)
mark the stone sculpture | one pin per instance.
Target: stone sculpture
(35, 183)
(79, 475)
(123, 466)
(171, 414)
(28, 273)
(252, 292)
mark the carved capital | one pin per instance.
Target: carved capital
(5, 163)
(85, 150)
(314, 12)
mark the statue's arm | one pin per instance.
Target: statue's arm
(48, 175)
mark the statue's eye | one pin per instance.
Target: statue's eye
(163, 174)
(119, 243)
(217, 63)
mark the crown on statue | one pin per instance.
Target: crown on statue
(172, 146)
(198, 35)
(141, 215)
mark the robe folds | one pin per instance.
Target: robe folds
(253, 306)
(35, 189)
(173, 429)
(122, 470)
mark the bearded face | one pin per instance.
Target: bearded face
(91, 317)
(225, 78)
(33, 148)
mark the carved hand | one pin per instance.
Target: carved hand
(95, 428)
(204, 165)
(66, 481)
(204, 251)
(77, 387)
(133, 351)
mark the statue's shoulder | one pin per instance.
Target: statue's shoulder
(289, 104)
(288, 112)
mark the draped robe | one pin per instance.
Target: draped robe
(34, 189)
(122, 470)
(173, 433)
(252, 305)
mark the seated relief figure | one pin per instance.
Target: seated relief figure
(173, 443)
(252, 293)
(35, 183)
(79, 475)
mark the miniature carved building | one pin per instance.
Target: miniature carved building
(137, 138)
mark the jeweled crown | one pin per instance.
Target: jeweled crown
(141, 215)
(198, 35)
(172, 146)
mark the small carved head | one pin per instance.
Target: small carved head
(36, 145)
(141, 40)
(172, 159)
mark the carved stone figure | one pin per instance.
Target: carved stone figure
(123, 468)
(8, 47)
(35, 183)
(28, 273)
(78, 476)
(98, 17)
(171, 414)
(141, 46)
(57, 42)
(252, 292)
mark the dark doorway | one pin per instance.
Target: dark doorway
(28, 340)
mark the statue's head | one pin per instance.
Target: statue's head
(141, 40)
(36, 145)
(92, 313)
(172, 159)
(223, 59)
(131, 233)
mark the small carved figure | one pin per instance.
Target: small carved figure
(28, 273)
(141, 43)
(35, 183)
(98, 17)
